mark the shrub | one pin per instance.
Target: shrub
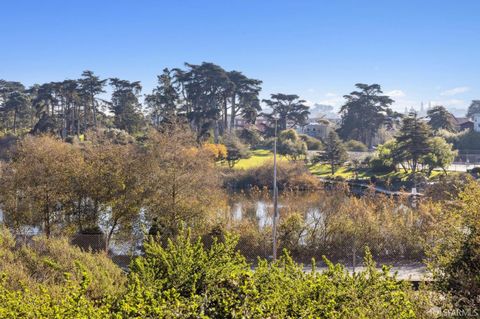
(355, 146)
(290, 145)
(217, 152)
(466, 140)
(453, 251)
(313, 144)
(251, 136)
(447, 187)
(184, 279)
(290, 175)
(70, 302)
(382, 161)
(236, 150)
(43, 263)
(475, 170)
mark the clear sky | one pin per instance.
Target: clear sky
(417, 50)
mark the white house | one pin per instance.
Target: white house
(476, 122)
(318, 129)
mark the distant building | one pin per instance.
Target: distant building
(476, 122)
(240, 123)
(261, 123)
(464, 123)
(317, 128)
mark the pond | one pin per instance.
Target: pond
(330, 223)
(257, 208)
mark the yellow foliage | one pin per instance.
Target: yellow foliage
(215, 151)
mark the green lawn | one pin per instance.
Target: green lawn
(257, 159)
(323, 170)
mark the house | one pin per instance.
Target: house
(316, 128)
(240, 123)
(261, 123)
(476, 122)
(463, 123)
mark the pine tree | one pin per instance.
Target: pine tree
(440, 118)
(125, 105)
(335, 153)
(413, 141)
(364, 113)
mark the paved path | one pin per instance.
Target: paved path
(366, 186)
(412, 272)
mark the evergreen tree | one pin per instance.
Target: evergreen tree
(291, 145)
(15, 105)
(125, 105)
(440, 118)
(244, 97)
(334, 153)
(90, 87)
(236, 150)
(290, 110)
(205, 89)
(474, 108)
(413, 141)
(19, 104)
(162, 103)
(364, 113)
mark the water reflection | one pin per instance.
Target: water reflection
(258, 208)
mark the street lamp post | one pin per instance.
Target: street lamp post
(275, 195)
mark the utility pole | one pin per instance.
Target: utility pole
(275, 194)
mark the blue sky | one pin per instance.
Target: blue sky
(417, 50)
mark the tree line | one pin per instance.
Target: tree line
(206, 96)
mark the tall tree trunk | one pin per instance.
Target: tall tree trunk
(77, 118)
(283, 124)
(215, 132)
(225, 115)
(85, 115)
(94, 110)
(233, 112)
(110, 234)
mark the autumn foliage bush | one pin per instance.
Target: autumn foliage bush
(290, 176)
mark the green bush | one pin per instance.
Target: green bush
(70, 302)
(183, 279)
(291, 145)
(186, 280)
(454, 251)
(355, 146)
(236, 150)
(313, 144)
(44, 263)
(251, 136)
(465, 140)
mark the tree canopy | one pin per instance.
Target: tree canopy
(364, 112)
(334, 152)
(441, 119)
(412, 141)
(289, 110)
(474, 108)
